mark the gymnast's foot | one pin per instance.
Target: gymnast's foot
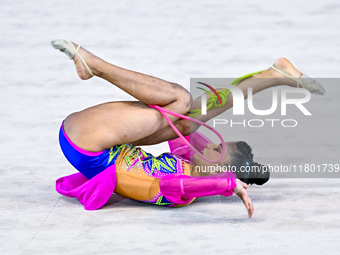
(84, 60)
(285, 66)
(286, 70)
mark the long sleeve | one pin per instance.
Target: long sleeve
(181, 189)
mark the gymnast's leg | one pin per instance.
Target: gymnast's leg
(109, 124)
(147, 89)
(267, 79)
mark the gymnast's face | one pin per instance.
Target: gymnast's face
(213, 152)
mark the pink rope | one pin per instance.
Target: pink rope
(163, 111)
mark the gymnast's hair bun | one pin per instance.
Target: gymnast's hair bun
(248, 171)
(254, 173)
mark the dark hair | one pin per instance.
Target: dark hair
(247, 170)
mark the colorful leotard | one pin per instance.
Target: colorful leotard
(137, 172)
(133, 173)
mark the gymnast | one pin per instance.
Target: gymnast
(102, 141)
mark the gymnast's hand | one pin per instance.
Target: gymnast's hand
(240, 190)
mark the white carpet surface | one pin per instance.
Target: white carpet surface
(174, 40)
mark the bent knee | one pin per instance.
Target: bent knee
(183, 100)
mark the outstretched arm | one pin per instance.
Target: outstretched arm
(182, 189)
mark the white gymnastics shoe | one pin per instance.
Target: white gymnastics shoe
(305, 82)
(68, 48)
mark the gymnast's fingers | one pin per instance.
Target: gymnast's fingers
(245, 185)
(251, 208)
